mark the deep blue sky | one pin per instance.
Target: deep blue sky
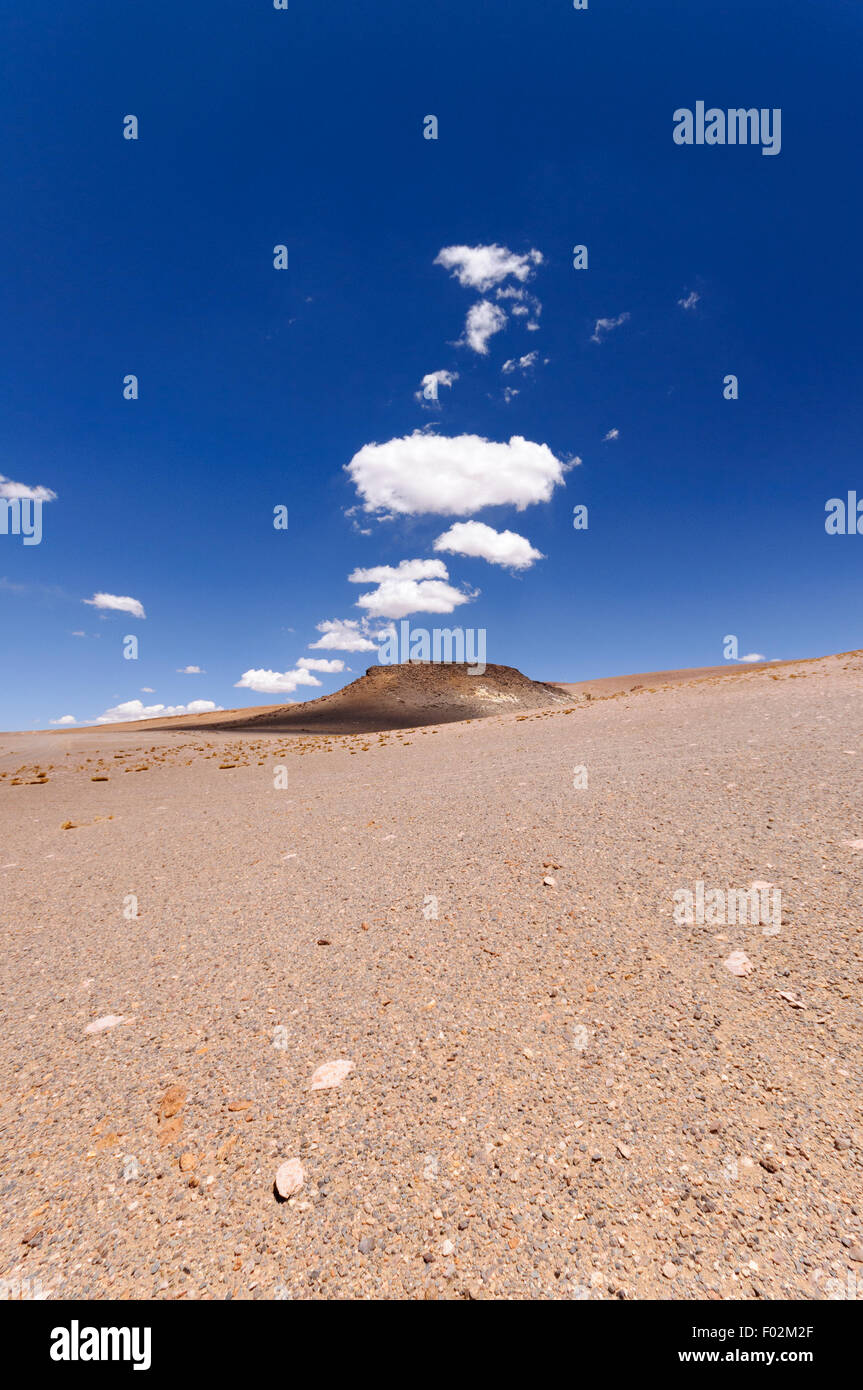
(257, 387)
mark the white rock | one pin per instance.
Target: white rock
(330, 1074)
(739, 963)
(100, 1024)
(290, 1178)
(447, 1248)
(549, 882)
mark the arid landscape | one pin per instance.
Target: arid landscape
(555, 1089)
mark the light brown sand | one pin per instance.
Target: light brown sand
(556, 1090)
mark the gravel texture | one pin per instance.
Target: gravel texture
(556, 1091)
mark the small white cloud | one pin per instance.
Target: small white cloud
(22, 492)
(483, 320)
(275, 682)
(311, 663)
(754, 656)
(190, 671)
(406, 569)
(414, 586)
(343, 635)
(509, 393)
(520, 364)
(135, 709)
(453, 476)
(147, 690)
(120, 604)
(612, 434)
(690, 300)
(65, 719)
(604, 326)
(79, 634)
(475, 539)
(481, 267)
(431, 383)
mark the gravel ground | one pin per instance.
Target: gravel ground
(556, 1090)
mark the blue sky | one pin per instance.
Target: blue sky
(258, 387)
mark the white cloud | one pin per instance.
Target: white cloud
(431, 382)
(453, 476)
(342, 635)
(190, 671)
(21, 491)
(605, 326)
(311, 663)
(479, 541)
(612, 434)
(520, 364)
(65, 719)
(122, 605)
(414, 586)
(690, 300)
(407, 569)
(135, 709)
(754, 656)
(79, 634)
(509, 393)
(483, 320)
(275, 682)
(480, 267)
(147, 690)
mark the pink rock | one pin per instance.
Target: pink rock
(290, 1178)
(739, 963)
(330, 1074)
(100, 1024)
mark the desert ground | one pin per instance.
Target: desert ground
(555, 1090)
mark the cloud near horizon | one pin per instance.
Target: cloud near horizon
(311, 663)
(275, 682)
(117, 603)
(136, 709)
(478, 541)
(427, 473)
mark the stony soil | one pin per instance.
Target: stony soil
(556, 1091)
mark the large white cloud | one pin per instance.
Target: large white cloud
(482, 542)
(275, 682)
(414, 586)
(453, 476)
(483, 320)
(480, 267)
(21, 491)
(118, 602)
(135, 709)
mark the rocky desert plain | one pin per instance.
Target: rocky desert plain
(461, 892)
